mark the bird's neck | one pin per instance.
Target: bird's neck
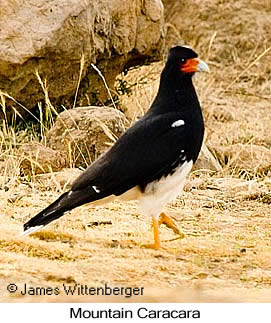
(175, 90)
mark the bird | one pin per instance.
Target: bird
(150, 161)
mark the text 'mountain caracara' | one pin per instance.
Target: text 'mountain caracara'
(151, 160)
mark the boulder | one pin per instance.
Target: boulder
(35, 158)
(83, 134)
(47, 47)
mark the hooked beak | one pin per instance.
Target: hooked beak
(202, 67)
(194, 65)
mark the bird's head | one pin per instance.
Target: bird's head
(187, 60)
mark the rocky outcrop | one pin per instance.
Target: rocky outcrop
(83, 134)
(78, 137)
(57, 41)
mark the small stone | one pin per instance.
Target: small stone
(37, 158)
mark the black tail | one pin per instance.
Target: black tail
(64, 203)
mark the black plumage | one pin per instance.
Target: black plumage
(167, 136)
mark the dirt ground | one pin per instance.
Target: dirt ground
(225, 255)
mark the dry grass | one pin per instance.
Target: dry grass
(226, 244)
(225, 255)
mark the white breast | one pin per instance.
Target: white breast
(158, 193)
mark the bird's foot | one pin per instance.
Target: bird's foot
(165, 219)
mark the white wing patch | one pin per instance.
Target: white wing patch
(70, 193)
(178, 123)
(96, 189)
(183, 157)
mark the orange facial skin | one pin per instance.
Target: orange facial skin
(190, 65)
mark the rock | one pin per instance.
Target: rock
(83, 134)
(61, 180)
(252, 159)
(206, 161)
(153, 9)
(57, 39)
(37, 158)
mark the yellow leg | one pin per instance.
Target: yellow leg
(165, 219)
(156, 245)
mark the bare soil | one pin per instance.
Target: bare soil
(225, 255)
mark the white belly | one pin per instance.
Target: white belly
(158, 193)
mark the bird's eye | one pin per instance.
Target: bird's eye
(183, 60)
